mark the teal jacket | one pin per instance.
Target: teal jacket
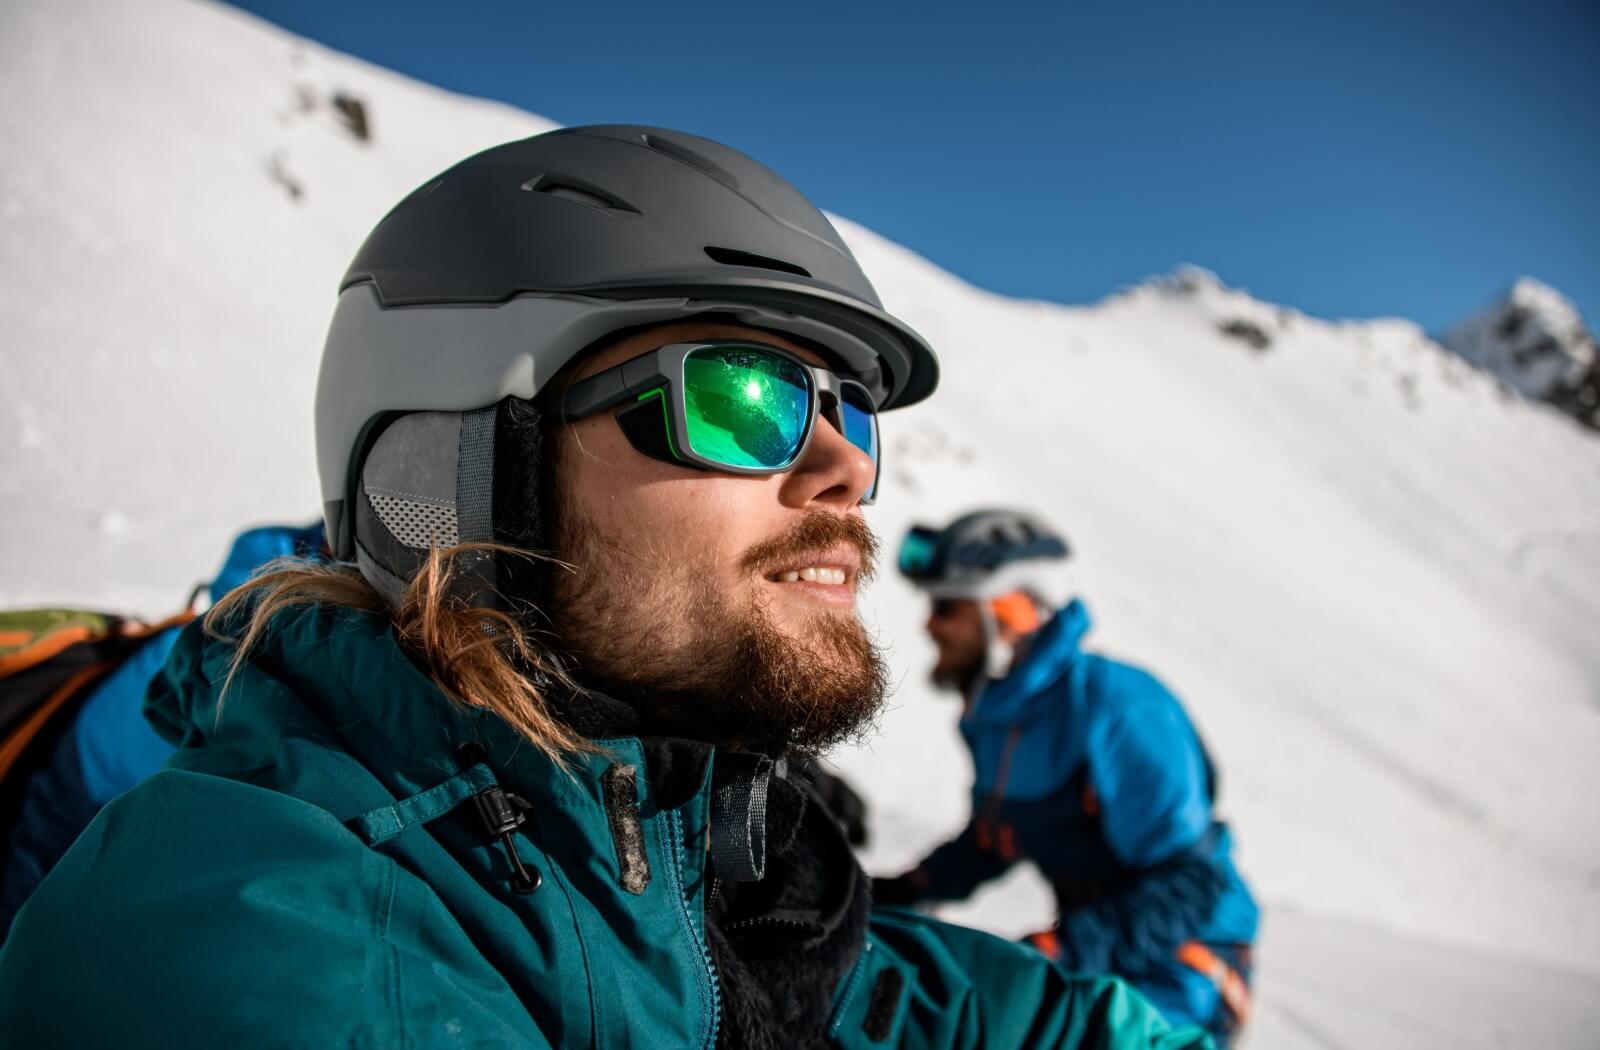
(301, 875)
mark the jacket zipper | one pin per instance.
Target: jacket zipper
(766, 920)
(673, 823)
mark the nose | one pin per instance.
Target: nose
(833, 473)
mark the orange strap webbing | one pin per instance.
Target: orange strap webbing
(30, 653)
(1235, 993)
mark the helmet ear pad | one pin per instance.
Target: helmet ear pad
(423, 485)
(524, 504)
(435, 479)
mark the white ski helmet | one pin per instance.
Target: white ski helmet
(987, 556)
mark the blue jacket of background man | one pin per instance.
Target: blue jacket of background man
(1092, 770)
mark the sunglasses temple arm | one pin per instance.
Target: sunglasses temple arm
(606, 390)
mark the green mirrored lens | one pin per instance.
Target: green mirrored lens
(916, 552)
(744, 406)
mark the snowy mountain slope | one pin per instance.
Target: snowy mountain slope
(163, 285)
(1373, 575)
(1535, 340)
(1318, 546)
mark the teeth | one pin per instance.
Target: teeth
(816, 574)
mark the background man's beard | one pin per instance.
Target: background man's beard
(698, 662)
(962, 678)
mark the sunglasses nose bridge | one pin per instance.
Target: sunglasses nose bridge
(831, 407)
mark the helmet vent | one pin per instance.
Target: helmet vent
(679, 152)
(734, 257)
(578, 192)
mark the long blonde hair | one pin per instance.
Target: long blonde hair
(479, 657)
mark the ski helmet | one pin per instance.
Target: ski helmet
(484, 282)
(1004, 561)
(980, 555)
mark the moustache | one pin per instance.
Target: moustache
(817, 531)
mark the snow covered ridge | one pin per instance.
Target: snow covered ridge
(1372, 575)
(1535, 341)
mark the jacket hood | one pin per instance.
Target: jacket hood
(187, 702)
(1044, 658)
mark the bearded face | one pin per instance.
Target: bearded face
(722, 607)
(956, 627)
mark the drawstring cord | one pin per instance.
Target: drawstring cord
(502, 813)
(499, 811)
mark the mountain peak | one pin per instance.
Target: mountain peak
(1533, 339)
(1189, 277)
(1186, 279)
(1533, 295)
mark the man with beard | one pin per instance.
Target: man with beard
(596, 419)
(1088, 768)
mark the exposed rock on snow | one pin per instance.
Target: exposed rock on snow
(353, 113)
(1247, 332)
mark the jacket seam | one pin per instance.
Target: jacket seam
(392, 988)
(560, 876)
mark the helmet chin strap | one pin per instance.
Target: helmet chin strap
(997, 652)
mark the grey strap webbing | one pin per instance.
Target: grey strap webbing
(739, 815)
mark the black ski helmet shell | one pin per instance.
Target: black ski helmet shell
(486, 280)
(625, 212)
(980, 554)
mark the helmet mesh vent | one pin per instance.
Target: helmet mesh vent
(413, 523)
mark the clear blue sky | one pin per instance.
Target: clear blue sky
(1350, 159)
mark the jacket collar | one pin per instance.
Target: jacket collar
(338, 678)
